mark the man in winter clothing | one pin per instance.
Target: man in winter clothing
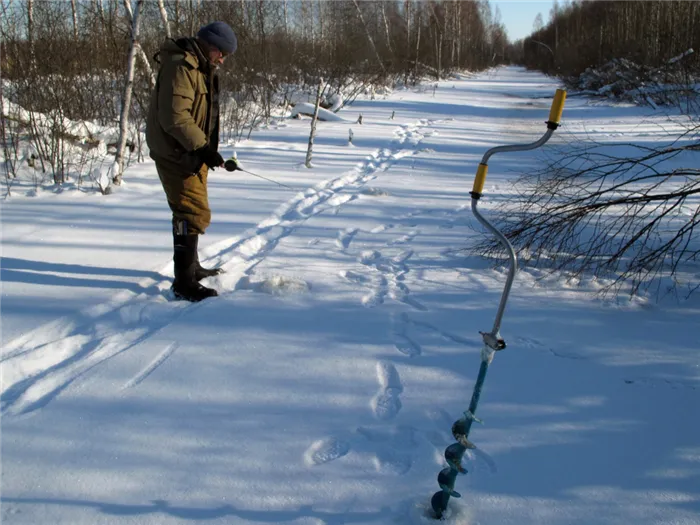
(182, 132)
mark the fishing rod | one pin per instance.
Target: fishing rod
(232, 165)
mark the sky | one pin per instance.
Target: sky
(518, 15)
(321, 385)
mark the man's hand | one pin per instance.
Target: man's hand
(210, 157)
(231, 164)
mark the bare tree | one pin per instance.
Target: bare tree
(9, 135)
(628, 213)
(386, 29)
(74, 10)
(139, 50)
(585, 34)
(369, 36)
(309, 149)
(164, 18)
(126, 99)
(538, 23)
(30, 32)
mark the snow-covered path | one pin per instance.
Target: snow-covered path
(321, 386)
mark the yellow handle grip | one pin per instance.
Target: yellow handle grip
(480, 178)
(557, 106)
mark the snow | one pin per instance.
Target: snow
(306, 108)
(321, 386)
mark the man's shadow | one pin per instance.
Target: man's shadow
(38, 272)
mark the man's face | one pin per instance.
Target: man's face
(215, 56)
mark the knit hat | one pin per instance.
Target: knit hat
(220, 35)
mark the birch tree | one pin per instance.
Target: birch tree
(139, 50)
(164, 18)
(74, 10)
(309, 150)
(386, 29)
(126, 99)
(30, 32)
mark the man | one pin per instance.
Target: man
(182, 132)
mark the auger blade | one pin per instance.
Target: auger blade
(459, 431)
(453, 455)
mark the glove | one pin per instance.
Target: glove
(210, 157)
(231, 164)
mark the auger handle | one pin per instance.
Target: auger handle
(480, 179)
(555, 113)
(557, 109)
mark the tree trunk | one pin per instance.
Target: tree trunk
(286, 20)
(438, 40)
(407, 9)
(164, 17)
(386, 30)
(243, 12)
(192, 17)
(74, 9)
(309, 150)
(415, 65)
(9, 169)
(139, 50)
(30, 32)
(178, 15)
(369, 36)
(126, 99)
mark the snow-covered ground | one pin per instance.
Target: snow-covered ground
(321, 386)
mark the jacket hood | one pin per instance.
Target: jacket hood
(173, 49)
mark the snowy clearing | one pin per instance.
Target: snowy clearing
(321, 386)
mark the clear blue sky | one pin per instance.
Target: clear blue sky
(517, 15)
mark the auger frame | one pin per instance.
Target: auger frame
(493, 341)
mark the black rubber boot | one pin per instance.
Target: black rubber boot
(199, 271)
(185, 285)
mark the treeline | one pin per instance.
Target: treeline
(281, 43)
(589, 33)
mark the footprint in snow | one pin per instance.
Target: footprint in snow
(402, 341)
(345, 237)
(355, 277)
(407, 346)
(369, 256)
(403, 239)
(391, 448)
(392, 462)
(325, 450)
(374, 192)
(386, 403)
(377, 294)
(381, 228)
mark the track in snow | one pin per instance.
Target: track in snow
(39, 365)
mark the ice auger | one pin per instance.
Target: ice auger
(493, 341)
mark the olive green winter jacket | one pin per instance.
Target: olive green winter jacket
(184, 111)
